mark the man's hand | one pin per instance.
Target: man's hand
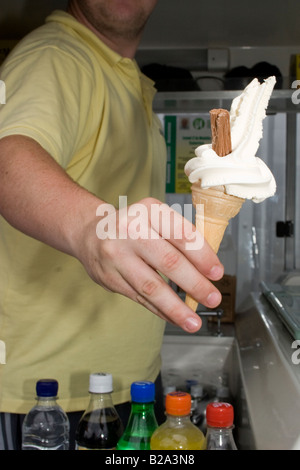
(131, 247)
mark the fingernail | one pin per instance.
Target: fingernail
(216, 272)
(192, 324)
(214, 299)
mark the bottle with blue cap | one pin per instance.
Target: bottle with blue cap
(142, 421)
(46, 426)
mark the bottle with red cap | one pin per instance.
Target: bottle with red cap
(219, 418)
(178, 432)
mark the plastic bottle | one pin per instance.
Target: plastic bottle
(222, 389)
(199, 403)
(46, 426)
(142, 421)
(178, 432)
(219, 418)
(100, 426)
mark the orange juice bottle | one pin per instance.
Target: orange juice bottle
(178, 432)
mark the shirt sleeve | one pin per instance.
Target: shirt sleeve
(48, 98)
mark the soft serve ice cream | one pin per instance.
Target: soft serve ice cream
(241, 172)
(220, 184)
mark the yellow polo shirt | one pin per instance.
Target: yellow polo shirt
(92, 111)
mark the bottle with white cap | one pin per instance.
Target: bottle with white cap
(100, 426)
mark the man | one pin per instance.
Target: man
(77, 132)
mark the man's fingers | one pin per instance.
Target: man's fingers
(165, 258)
(181, 233)
(154, 293)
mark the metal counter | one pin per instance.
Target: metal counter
(269, 365)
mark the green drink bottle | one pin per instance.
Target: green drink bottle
(142, 421)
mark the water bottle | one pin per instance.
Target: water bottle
(142, 421)
(198, 395)
(219, 418)
(100, 426)
(222, 389)
(46, 426)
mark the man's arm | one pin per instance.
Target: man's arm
(38, 198)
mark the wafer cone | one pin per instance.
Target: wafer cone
(214, 208)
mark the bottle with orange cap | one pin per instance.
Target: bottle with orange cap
(178, 432)
(219, 419)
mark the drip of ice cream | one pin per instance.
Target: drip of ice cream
(241, 173)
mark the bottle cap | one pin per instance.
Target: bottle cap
(197, 390)
(178, 403)
(142, 392)
(101, 383)
(47, 388)
(219, 415)
(169, 389)
(190, 383)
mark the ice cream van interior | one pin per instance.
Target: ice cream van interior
(201, 54)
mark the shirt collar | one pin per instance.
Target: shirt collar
(59, 16)
(112, 57)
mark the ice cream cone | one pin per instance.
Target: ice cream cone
(214, 209)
